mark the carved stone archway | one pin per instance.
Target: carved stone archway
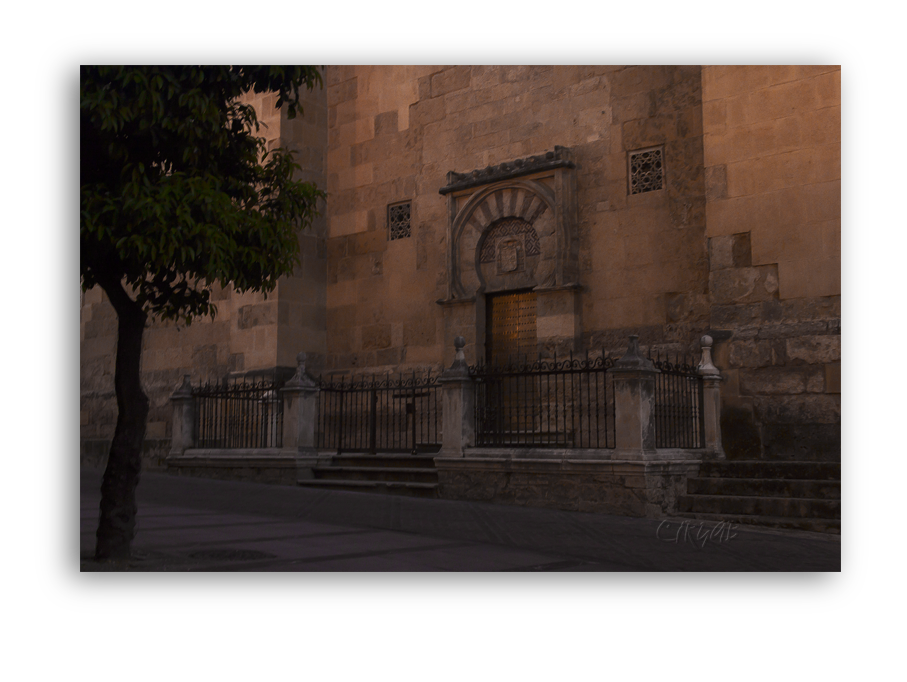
(513, 227)
(521, 209)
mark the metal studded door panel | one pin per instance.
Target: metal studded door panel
(512, 401)
(510, 327)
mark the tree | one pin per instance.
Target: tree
(178, 193)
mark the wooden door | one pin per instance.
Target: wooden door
(510, 328)
(512, 397)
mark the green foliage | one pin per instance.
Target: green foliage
(177, 189)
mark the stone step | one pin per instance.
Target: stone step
(372, 473)
(824, 471)
(407, 489)
(384, 460)
(765, 487)
(792, 507)
(818, 525)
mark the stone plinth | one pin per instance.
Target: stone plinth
(458, 405)
(711, 401)
(183, 435)
(634, 405)
(625, 487)
(300, 414)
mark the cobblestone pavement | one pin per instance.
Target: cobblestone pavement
(195, 524)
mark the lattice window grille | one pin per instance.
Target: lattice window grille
(398, 220)
(646, 170)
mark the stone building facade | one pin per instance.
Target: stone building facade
(667, 202)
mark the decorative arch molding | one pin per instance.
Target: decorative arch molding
(539, 214)
(512, 227)
(529, 202)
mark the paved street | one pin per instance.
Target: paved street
(194, 524)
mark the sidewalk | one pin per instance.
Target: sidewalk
(195, 524)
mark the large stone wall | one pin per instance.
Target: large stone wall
(395, 133)
(772, 163)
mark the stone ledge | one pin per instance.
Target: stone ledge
(264, 457)
(661, 455)
(573, 286)
(455, 301)
(505, 463)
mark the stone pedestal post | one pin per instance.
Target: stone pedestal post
(300, 412)
(183, 435)
(458, 405)
(634, 404)
(711, 400)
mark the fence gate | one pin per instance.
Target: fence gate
(566, 403)
(380, 414)
(511, 338)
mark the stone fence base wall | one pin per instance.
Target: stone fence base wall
(259, 465)
(628, 488)
(93, 453)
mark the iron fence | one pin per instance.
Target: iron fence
(241, 414)
(380, 414)
(566, 403)
(679, 419)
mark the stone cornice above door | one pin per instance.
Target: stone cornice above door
(561, 157)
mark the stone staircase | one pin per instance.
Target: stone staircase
(391, 473)
(779, 494)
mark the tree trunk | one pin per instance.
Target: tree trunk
(118, 508)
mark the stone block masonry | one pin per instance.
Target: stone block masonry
(461, 118)
(742, 241)
(772, 148)
(645, 489)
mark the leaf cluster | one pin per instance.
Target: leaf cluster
(178, 189)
